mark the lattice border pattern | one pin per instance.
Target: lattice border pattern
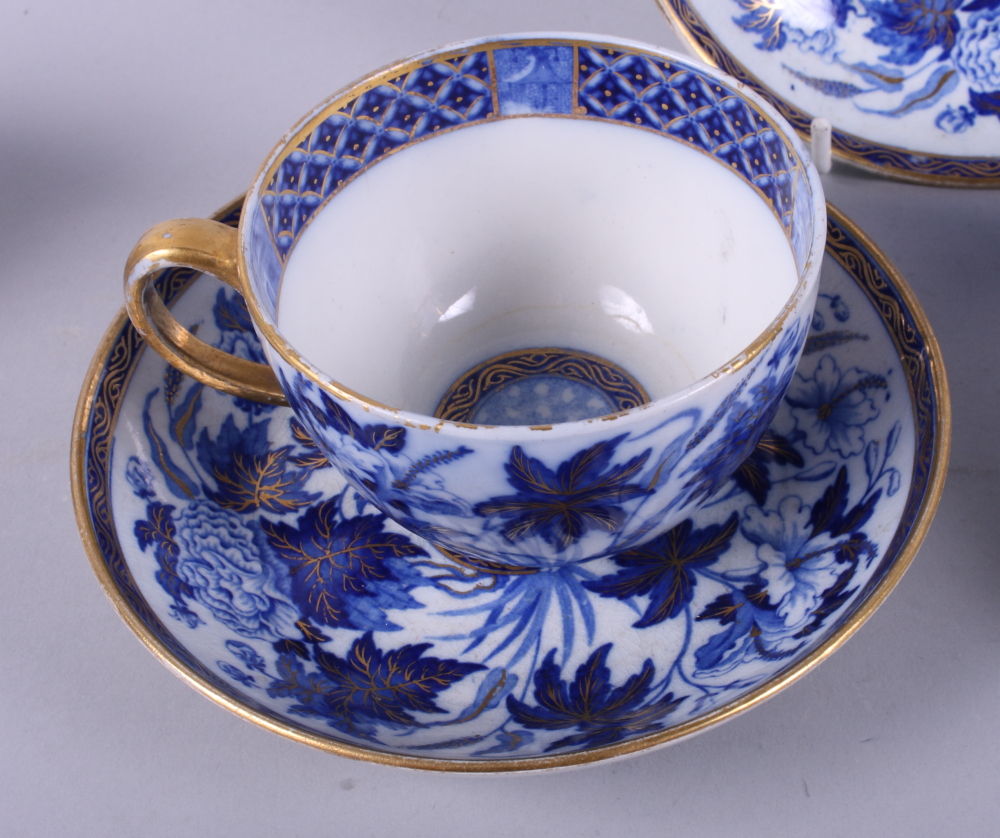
(894, 162)
(444, 94)
(612, 84)
(646, 91)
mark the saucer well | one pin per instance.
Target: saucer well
(912, 89)
(242, 560)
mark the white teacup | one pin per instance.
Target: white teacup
(583, 296)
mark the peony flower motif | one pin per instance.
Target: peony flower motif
(977, 53)
(230, 575)
(831, 406)
(796, 571)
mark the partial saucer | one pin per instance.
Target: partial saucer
(912, 89)
(243, 561)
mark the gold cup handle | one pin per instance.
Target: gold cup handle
(205, 246)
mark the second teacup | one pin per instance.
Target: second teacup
(580, 270)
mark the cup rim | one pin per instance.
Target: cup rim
(808, 276)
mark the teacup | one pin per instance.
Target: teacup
(581, 270)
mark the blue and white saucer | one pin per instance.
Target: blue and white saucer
(912, 89)
(242, 560)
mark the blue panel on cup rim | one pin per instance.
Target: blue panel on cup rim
(387, 113)
(534, 80)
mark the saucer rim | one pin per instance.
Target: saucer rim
(941, 442)
(686, 21)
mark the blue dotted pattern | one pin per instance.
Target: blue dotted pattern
(618, 85)
(437, 95)
(542, 400)
(647, 91)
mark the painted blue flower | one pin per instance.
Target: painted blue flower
(666, 569)
(228, 571)
(797, 568)
(247, 654)
(140, 478)
(751, 632)
(599, 712)
(955, 120)
(831, 406)
(977, 53)
(237, 674)
(185, 615)
(369, 684)
(584, 493)
(345, 572)
(912, 27)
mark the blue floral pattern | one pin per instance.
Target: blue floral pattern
(930, 49)
(480, 661)
(331, 613)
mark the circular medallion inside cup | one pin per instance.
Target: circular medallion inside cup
(540, 387)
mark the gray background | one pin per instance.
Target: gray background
(117, 115)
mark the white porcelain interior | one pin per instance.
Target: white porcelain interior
(534, 232)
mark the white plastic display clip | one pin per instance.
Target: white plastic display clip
(821, 137)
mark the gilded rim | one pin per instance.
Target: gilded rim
(808, 276)
(847, 147)
(909, 534)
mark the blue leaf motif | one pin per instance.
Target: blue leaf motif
(942, 81)
(231, 314)
(601, 713)
(336, 563)
(387, 686)
(584, 493)
(666, 568)
(249, 474)
(179, 484)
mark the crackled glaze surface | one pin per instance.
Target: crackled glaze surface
(246, 560)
